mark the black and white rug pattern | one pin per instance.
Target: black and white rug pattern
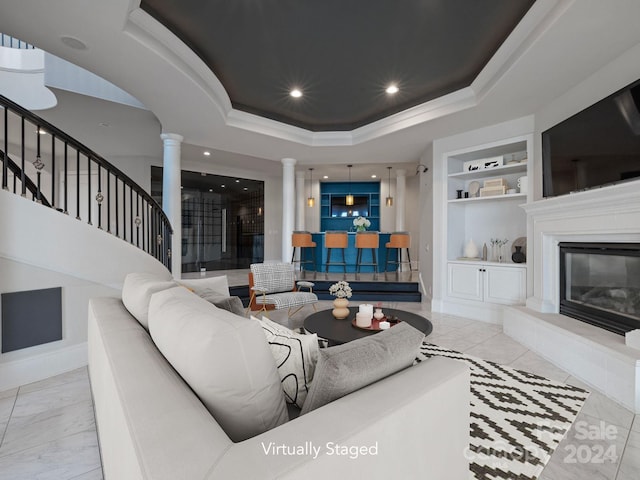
(517, 418)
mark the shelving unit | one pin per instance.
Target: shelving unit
(478, 288)
(371, 190)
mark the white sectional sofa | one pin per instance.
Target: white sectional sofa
(151, 424)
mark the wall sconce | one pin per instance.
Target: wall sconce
(389, 198)
(310, 200)
(349, 198)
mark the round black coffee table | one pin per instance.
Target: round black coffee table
(342, 331)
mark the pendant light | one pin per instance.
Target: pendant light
(310, 200)
(349, 198)
(389, 198)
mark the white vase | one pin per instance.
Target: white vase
(471, 250)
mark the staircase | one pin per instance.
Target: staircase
(41, 162)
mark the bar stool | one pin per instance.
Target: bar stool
(336, 240)
(369, 240)
(398, 241)
(302, 240)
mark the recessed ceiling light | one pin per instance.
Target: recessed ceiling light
(391, 89)
(325, 177)
(295, 93)
(237, 181)
(374, 176)
(211, 189)
(104, 124)
(206, 153)
(223, 186)
(73, 43)
(245, 188)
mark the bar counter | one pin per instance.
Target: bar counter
(350, 255)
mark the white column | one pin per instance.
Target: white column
(172, 196)
(401, 185)
(288, 205)
(300, 200)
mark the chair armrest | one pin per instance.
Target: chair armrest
(258, 290)
(399, 421)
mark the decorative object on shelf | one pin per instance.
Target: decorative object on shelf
(342, 291)
(348, 200)
(474, 165)
(511, 191)
(470, 250)
(389, 201)
(495, 182)
(493, 191)
(497, 249)
(522, 184)
(458, 193)
(466, 194)
(520, 242)
(474, 189)
(518, 256)
(484, 252)
(361, 224)
(310, 200)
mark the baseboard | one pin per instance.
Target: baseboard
(482, 311)
(32, 369)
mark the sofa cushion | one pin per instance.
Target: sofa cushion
(231, 304)
(223, 358)
(137, 291)
(295, 356)
(346, 368)
(208, 286)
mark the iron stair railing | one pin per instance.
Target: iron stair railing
(73, 179)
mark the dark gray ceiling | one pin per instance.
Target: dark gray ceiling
(341, 53)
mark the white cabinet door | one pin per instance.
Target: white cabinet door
(506, 285)
(465, 281)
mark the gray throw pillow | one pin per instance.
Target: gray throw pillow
(346, 368)
(230, 304)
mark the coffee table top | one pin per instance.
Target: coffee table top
(342, 331)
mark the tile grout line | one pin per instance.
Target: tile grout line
(4, 432)
(626, 442)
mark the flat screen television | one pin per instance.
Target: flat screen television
(360, 206)
(595, 147)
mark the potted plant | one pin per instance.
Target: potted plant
(342, 291)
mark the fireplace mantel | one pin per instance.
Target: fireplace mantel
(596, 356)
(607, 214)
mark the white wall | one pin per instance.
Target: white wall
(424, 239)
(43, 248)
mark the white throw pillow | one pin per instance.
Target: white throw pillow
(223, 358)
(137, 291)
(210, 286)
(296, 357)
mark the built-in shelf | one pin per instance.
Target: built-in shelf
(491, 172)
(487, 262)
(508, 196)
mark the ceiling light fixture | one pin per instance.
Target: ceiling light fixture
(310, 200)
(295, 93)
(389, 198)
(325, 177)
(206, 153)
(391, 89)
(348, 200)
(374, 176)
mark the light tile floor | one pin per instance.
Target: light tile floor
(47, 429)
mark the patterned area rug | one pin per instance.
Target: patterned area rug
(517, 418)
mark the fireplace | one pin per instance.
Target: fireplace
(600, 284)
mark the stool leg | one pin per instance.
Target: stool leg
(344, 262)
(409, 258)
(326, 268)
(313, 258)
(293, 255)
(358, 260)
(375, 260)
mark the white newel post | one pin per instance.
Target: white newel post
(401, 184)
(172, 196)
(288, 205)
